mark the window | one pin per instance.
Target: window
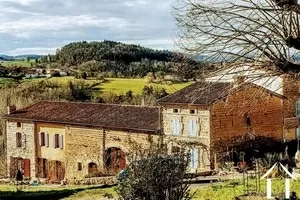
(175, 110)
(194, 158)
(79, 166)
(192, 111)
(192, 125)
(298, 109)
(58, 141)
(19, 125)
(176, 127)
(19, 139)
(42, 139)
(248, 120)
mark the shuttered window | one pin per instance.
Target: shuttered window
(58, 141)
(19, 139)
(298, 109)
(42, 139)
(192, 127)
(194, 158)
(175, 126)
(24, 141)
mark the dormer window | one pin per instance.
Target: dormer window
(175, 110)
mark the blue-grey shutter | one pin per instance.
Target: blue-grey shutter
(177, 127)
(297, 132)
(173, 127)
(190, 127)
(298, 109)
(191, 158)
(194, 127)
(196, 158)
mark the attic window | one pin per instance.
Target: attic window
(175, 110)
(248, 120)
(19, 124)
(192, 111)
(79, 166)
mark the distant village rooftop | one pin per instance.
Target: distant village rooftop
(110, 116)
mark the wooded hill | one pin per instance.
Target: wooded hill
(115, 59)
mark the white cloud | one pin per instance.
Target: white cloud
(57, 23)
(39, 24)
(33, 50)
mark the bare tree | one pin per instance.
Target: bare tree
(264, 32)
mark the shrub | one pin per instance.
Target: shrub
(156, 177)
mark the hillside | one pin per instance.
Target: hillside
(115, 59)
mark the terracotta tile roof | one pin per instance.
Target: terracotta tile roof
(110, 116)
(206, 93)
(202, 93)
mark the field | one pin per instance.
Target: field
(109, 85)
(216, 191)
(18, 63)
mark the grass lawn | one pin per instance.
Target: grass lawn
(216, 191)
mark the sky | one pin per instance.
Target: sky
(42, 26)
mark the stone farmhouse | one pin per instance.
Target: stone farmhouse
(54, 140)
(57, 140)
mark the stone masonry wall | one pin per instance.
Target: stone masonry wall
(27, 152)
(86, 145)
(202, 139)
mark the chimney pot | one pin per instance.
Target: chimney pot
(10, 109)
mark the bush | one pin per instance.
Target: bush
(156, 177)
(96, 174)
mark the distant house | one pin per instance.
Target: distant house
(55, 72)
(31, 73)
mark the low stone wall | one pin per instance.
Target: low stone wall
(109, 180)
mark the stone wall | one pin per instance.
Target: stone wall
(202, 139)
(25, 152)
(85, 145)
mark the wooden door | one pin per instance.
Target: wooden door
(26, 167)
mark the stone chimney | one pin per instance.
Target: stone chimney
(10, 109)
